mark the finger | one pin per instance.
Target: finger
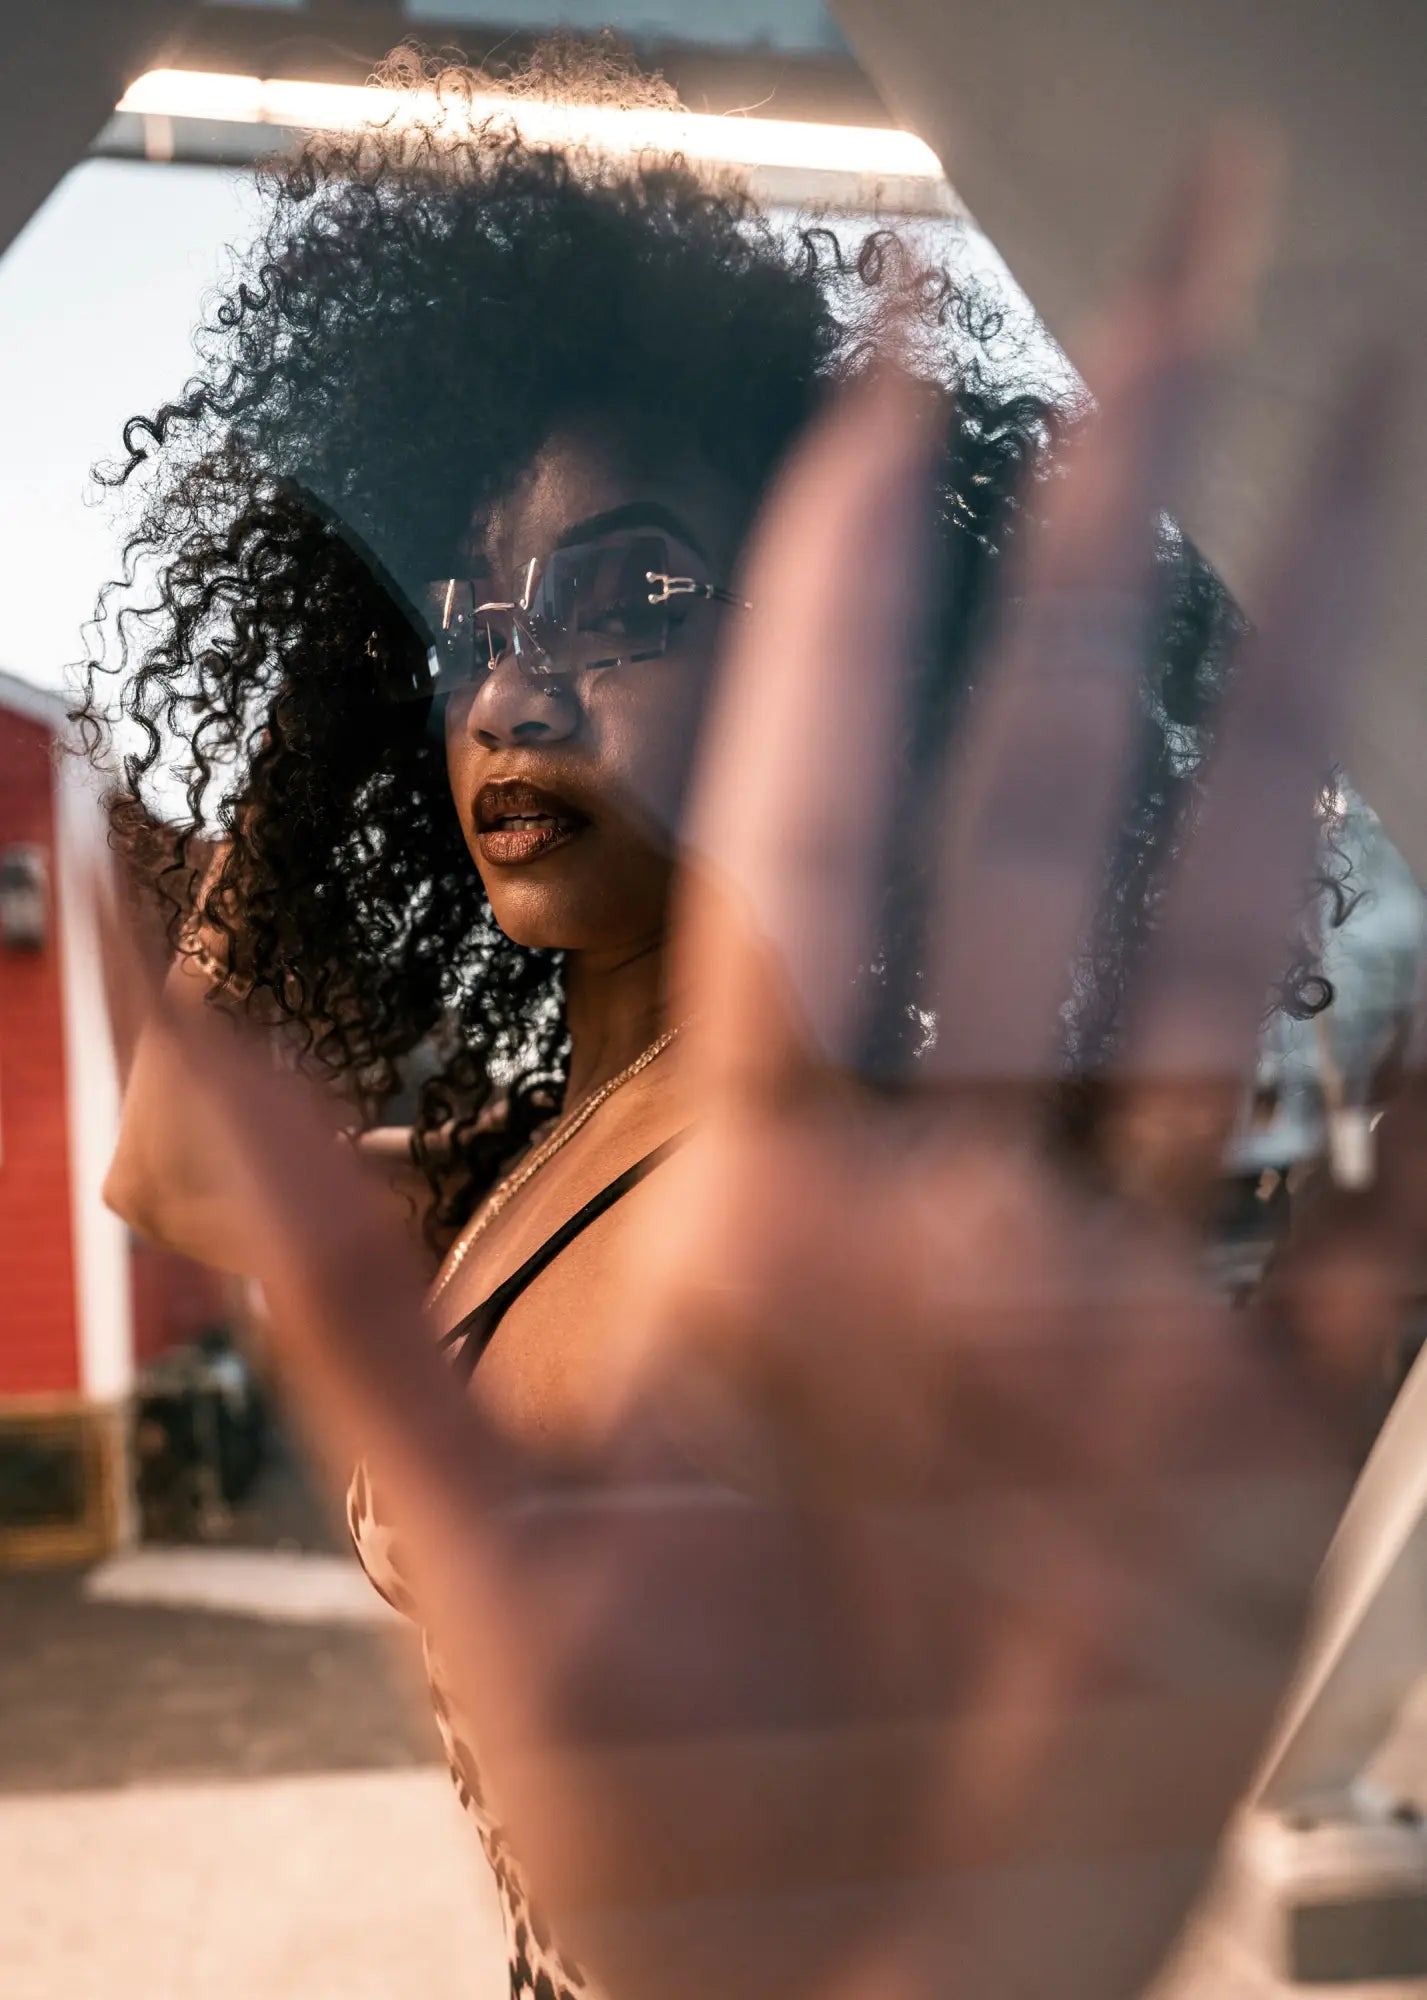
(1197, 1008)
(789, 827)
(1038, 783)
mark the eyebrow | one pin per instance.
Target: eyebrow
(634, 514)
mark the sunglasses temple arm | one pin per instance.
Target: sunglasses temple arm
(667, 587)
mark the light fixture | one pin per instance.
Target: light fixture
(342, 107)
(24, 897)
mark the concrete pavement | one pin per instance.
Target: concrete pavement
(340, 1886)
(219, 1781)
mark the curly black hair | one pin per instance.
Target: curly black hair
(419, 313)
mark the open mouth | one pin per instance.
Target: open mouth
(517, 822)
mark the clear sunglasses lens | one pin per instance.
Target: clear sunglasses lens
(467, 637)
(592, 609)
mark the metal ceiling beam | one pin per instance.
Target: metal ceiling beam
(65, 66)
(340, 41)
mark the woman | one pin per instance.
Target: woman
(450, 529)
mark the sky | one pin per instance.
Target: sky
(98, 299)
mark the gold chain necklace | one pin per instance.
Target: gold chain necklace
(506, 1190)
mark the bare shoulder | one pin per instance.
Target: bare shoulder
(541, 1367)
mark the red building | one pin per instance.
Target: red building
(80, 1305)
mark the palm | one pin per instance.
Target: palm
(1025, 1520)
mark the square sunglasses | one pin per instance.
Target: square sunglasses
(599, 604)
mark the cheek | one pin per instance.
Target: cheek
(638, 742)
(650, 741)
(456, 722)
(460, 748)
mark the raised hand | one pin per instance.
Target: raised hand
(917, 1628)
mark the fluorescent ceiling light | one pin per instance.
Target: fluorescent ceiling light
(343, 107)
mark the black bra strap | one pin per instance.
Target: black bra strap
(469, 1337)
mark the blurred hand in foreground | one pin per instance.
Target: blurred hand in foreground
(917, 1629)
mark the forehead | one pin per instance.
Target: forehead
(580, 474)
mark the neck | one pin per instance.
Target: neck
(615, 1005)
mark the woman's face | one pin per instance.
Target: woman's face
(569, 787)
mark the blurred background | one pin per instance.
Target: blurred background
(213, 1777)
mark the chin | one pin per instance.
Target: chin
(595, 893)
(557, 917)
(534, 929)
(575, 915)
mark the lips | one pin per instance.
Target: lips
(518, 822)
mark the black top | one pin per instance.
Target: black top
(470, 1337)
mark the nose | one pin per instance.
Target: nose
(511, 706)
